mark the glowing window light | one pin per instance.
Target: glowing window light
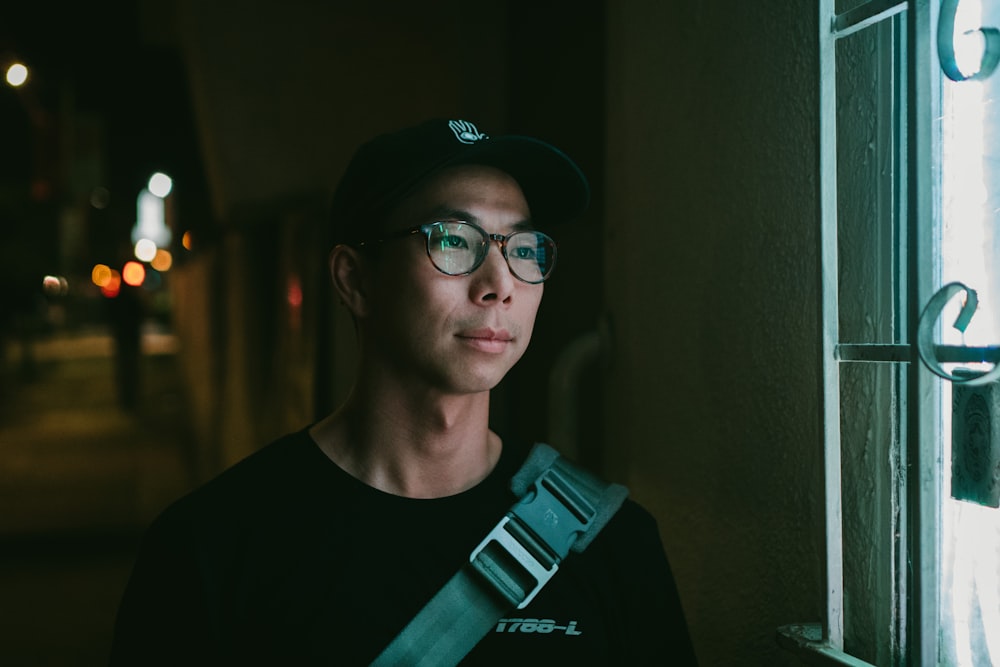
(133, 273)
(162, 261)
(971, 534)
(145, 250)
(17, 74)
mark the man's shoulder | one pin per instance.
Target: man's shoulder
(262, 478)
(280, 458)
(632, 529)
(634, 519)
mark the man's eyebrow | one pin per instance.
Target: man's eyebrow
(449, 213)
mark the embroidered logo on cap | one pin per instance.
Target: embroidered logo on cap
(466, 132)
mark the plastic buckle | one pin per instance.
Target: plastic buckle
(524, 550)
(513, 570)
(555, 510)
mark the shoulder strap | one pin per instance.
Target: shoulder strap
(560, 507)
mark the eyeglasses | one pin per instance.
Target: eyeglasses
(457, 248)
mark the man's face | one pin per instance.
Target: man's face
(453, 334)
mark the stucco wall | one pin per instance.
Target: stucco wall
(712, 296)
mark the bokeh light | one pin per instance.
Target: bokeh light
(100, 197)
(55, 285)
(17, 74)
(162, 261)
(100, 275)
(133, 273)
(160, 184)
(294, 292)
(145, 250)
(113, 285)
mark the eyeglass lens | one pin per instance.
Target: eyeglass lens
(457, 248)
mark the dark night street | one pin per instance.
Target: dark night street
(79, 479)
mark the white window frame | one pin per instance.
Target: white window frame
(915, 617)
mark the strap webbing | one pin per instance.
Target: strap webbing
(561, 507)
(448, 626)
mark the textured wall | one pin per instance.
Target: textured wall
(712, 293)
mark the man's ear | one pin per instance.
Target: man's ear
(347, 271)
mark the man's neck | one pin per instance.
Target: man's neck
(419, 446)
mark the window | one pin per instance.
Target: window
(909, 201)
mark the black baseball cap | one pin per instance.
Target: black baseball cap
(387, 168)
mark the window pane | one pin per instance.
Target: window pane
(870, 507)
(970, 253)
(867, 250)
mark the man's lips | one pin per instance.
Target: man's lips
(487, 333)
(486, 339)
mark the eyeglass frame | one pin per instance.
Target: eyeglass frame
(499, 238)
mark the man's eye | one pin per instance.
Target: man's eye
(453, 242)
(524, 252)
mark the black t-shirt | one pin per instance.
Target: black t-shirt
(286, 559)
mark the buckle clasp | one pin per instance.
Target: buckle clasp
(524, 550)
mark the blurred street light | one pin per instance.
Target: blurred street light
(17, 74)
(160, 184)
(133, 273)
(145, 250)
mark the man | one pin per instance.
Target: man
(320, 548)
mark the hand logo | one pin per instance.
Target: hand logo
(466, 132)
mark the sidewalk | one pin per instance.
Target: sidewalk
(79, 480)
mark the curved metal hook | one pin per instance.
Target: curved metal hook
(946, 45)
(925, 333)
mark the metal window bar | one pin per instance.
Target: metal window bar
(833, 626)
(923, 480)
(901, 353)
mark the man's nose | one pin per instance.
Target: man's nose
(493, 281)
